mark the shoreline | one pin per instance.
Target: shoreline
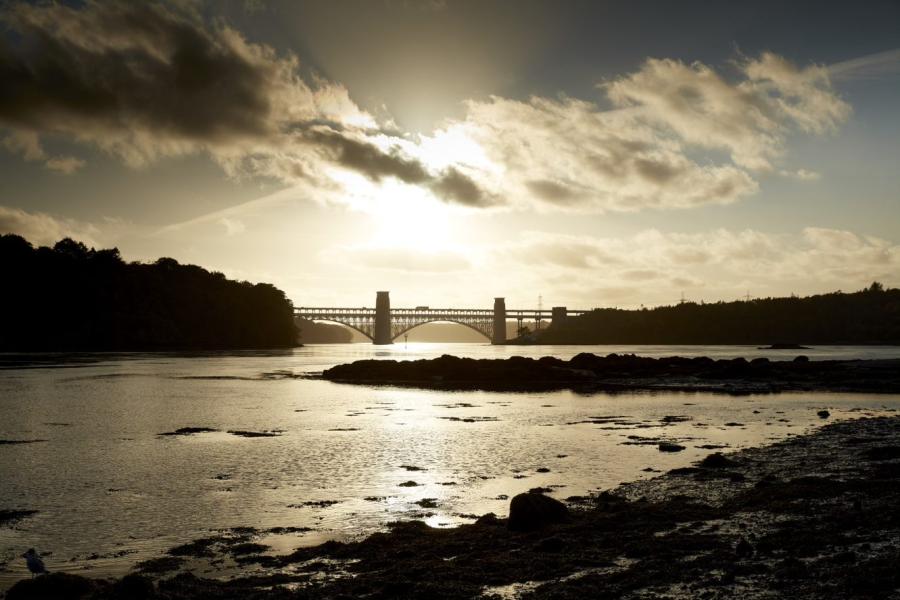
(592, 373)
(812, 516)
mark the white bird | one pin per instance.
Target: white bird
(34, 562)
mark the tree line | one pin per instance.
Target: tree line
(71, 297)
(869, 316)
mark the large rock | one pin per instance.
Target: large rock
(531, 511)
(54, 586)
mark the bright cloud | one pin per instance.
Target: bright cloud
(397, 258)
(714, 263)
(749, 117)
(43, 229)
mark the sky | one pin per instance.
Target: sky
(587, 154)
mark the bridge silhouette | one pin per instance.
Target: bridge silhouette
(384, 324)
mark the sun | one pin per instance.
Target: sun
(409, 217)
(401, 215)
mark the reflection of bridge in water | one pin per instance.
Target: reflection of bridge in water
(384, 324)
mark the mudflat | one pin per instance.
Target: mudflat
(815, 516)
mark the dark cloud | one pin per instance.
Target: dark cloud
(368, 159)
(656, 172)
(553, 192)
(451, 185)
(455, 186)
(119, 66)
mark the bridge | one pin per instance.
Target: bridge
(384, 324)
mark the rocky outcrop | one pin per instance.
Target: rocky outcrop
(589, 372)
(531, 511)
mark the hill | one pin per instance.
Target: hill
(70, 297)
(870, 316)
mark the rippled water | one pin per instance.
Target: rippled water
(110, 491)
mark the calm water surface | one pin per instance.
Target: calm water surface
(112, 492)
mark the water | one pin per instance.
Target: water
(111, 491)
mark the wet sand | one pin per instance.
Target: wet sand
(811, 517)
(589, 372)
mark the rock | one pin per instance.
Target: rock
(783, 346)
(409, 483)
(528, 512)
(675, 418)
(542, 470)
(11, 516)
(189, 431)
(487, 519)
(717, 460)
(53, 586)
(801, 359)
(744, 549)
(550, 545)
(882, 453)
(824, 414)
(670, 447)
(254, 434)
(134, 587)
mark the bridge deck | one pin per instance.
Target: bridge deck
(430, 312)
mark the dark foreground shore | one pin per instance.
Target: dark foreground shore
(816, 516)
(589, 372)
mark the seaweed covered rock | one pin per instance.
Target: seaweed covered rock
(531, 511)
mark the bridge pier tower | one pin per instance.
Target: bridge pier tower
(499, 321)
(383, 319)
(558, 316)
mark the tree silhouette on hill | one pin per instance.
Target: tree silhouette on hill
(870, 316)
(71, 297)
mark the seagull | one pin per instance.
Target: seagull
(34, 562)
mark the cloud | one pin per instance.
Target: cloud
(28, 144)
(369, 160)
(802, 174)
(458, 187)
(657, 147)
(571, 154)
(401, 259)
(872, 66)
(64, 164)
(749, 117)
(43, 229)
(558, 250)
(232, 226)
(716, 263)
(146, 80)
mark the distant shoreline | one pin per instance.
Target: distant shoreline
(591, 373)
(755, 345)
